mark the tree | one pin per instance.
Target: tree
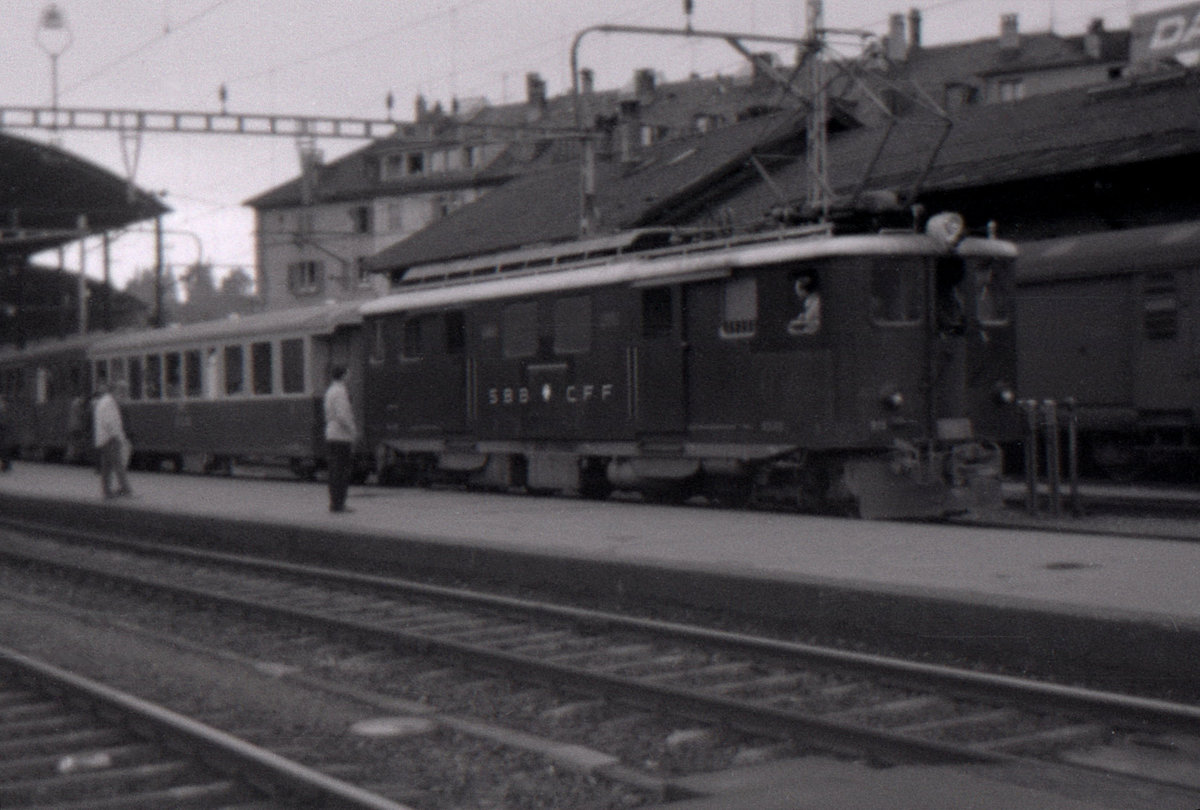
(237, 284)
(142, 287)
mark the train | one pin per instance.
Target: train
(1110, 330)
(869, 372)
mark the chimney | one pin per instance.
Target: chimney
(587, 81)
(422, 108)
(630, 130)
(643, 82)
(535, 90)
(897, 43)
(914, 29)
(1010, 36)
(764, 62)
(1093, 40)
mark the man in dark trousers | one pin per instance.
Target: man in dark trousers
(340, 433)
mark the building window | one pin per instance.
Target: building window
(414, 163)
(1012, 89)
(739, 311)
(362, 276)
(363, 219)
(395, 216)
(306, 277)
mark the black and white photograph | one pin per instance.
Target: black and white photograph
(600, 405)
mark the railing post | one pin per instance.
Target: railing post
(1029, 406)
(1073, 454)
(1053, 460)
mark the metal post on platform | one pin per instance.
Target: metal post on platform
(1053, 462)
(1071, 406)
(1029, 406)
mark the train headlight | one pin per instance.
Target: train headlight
(893, 400)
(946, 227)
(1004, 395)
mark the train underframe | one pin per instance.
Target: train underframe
(903, 481)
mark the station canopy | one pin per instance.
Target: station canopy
(44, 190)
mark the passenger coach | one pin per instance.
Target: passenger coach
(870, 372)
(241, 389)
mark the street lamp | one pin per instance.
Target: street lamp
(53, 37)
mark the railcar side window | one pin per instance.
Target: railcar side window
(235, 370)
(520, 330)
(291, 356)
(378, 353)
(193, 375)
(152, 381)
(658, 314)
(101, 372)
(739, 311)
(573, 325)
(174, 371)
(413, 347)
(896, 293)
(260, 355)
(806, 287)
(41, 383)
(135, 378)
(456, 332)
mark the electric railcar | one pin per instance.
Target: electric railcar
(1110, 319)
(871, 373)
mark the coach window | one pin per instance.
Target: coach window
(116, 372)
(174, 373)
(135, 378)
(739, 309)
(573, 325)
(378, 353)
(658, 318)
(193, 374)
(41, 382)
(152, 381)
(291, 358)
(235, 370)
(896, 293)
(260, 356)
(101, 372)
(520, 335)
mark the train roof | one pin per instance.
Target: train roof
(318, 320)
(506, 275)
(1133, 250)
(47, 347)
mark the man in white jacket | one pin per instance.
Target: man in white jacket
(110, 441)
(340, 433)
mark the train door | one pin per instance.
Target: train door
(658, 363)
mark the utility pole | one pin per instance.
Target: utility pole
(158, 271)
(83, 291)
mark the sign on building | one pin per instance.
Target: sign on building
(1169, 34)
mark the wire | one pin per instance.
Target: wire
(145, 45)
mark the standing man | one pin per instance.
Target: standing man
(110, 442)
(340, 433)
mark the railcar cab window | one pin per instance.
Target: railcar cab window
(896, 292)
(950, 312)
(807, 290)
(739, 308)
(993, 303)
(573, 325)
(519, 334)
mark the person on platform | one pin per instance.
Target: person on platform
(340, 433)
(110, 442)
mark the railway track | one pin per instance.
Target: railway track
(863, 705)
(72, 743)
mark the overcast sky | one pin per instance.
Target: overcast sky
(343, 57)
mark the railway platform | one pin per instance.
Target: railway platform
(1110, 599)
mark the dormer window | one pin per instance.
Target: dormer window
(1012, 89)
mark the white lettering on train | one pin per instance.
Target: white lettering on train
(575, 394)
